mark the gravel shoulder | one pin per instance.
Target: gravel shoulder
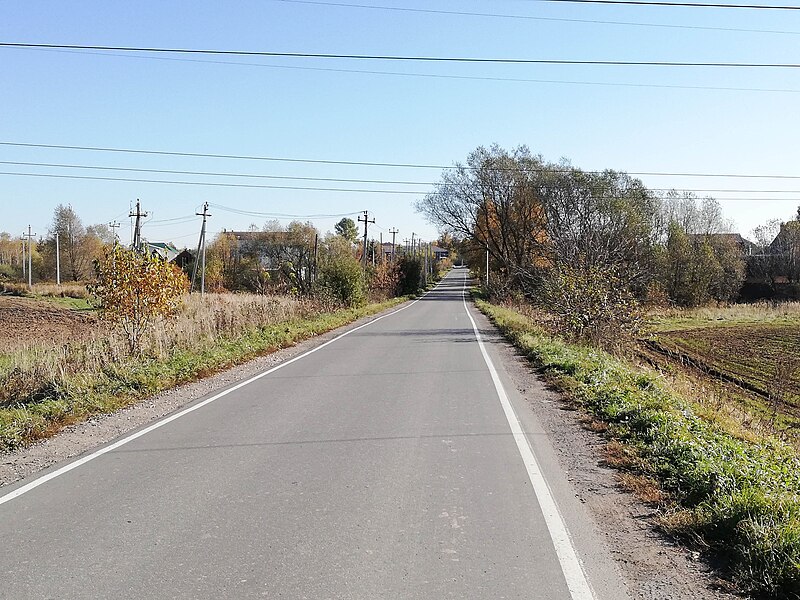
(653, 567)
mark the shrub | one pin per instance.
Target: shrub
(342, 278)
(136, 290)
(410, 275)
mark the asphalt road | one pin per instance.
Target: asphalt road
(381, 465)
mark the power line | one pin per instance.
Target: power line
(214, 184)
(439, 75)
(397, 58)
(530, 17)
(367, 164)
(676, 4)
(279, 187)
(251, 213)
(335, 179)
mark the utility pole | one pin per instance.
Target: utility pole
(425, 268)
(30, 236)
(366, 222)
(394, 232)
(314, 269)
(137, 228)
(24, 258)
(487, 266)
(113, 226)
(413, 249)
(58, 262)
(201, 252)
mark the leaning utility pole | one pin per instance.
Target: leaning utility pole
(201, 252)
(366, 222)
(30, 236)
(394, 232)
(137, 228)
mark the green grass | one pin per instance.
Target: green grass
(76, 397)
(80, 304)
(740, 499)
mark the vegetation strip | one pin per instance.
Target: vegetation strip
(739, 499)
(78, 396)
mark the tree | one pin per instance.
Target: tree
(136, 290)
(347, 229)
(493, 204)
(78, 246)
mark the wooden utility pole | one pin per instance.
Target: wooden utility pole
(137, 228)
(394, 232)
(366, 222)
(201, 253)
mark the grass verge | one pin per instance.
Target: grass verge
(77, 396)
(739, 499)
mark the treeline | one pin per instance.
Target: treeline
(78, 245)
(298, 259)
(587, 245)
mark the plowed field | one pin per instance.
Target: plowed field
(763, 358)
(25, 322)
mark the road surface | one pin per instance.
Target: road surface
(396, 461)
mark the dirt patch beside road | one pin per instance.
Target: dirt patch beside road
(25, 322)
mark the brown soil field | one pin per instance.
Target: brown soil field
(25, 322)
(764, 359)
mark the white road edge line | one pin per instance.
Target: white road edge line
(89, 457)
(577, 583)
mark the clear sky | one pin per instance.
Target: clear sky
(637, 119)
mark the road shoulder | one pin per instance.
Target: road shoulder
(651, 566)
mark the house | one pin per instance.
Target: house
(165, 250)
(748, 248)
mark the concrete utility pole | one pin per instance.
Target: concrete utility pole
(314, 268)
(24, 258)
(113, 226)
(413, 249)
(58, 262)
(394, 232)
(30, 236)
(487, 266)
(201, 252)
(366, 222)
(137, 228)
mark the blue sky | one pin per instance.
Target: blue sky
(270, 107)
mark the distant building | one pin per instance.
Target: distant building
(165, 250)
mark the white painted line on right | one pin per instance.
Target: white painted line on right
(577, 583)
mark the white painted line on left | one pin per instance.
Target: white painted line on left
(82, 461)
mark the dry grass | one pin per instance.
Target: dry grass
(33, 371)
(673, 319)
(47, 290)
(644, 488)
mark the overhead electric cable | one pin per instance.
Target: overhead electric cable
(429, 59)
(677, 4)
(433, 75)
(253, 213)
(214, 184)
(333, 179)
(530, 17)
(365, 163)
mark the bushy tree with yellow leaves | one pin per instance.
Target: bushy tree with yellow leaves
(136, 290)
